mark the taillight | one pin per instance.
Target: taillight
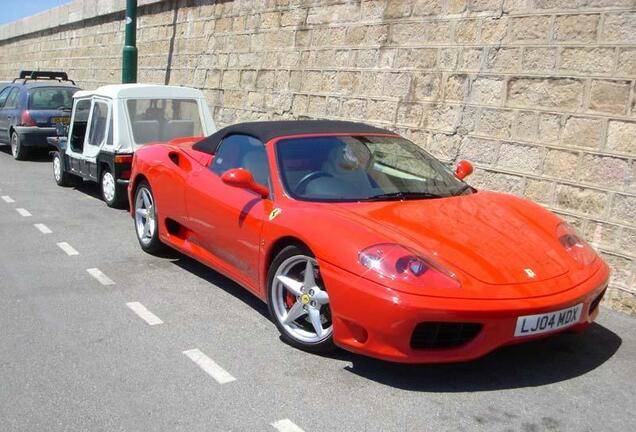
(27, 120)
(575, 245)
(397, 263)
(126, 158)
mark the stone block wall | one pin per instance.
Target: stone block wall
(538, 94)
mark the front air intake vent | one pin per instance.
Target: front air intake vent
(439, 335)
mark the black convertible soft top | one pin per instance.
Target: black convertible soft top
(267, 130)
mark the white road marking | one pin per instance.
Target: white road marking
(43, 228)
(209, 366)
(144, 313)
(7, 199)
(23, 212)
(286, 425)
(70, 250)
(101, 277)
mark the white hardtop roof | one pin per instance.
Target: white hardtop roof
(141, 91)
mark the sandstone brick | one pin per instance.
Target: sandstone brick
(587, 60)
(522, 158)
(231, 79)
(540, 191)
(427, 86)
(354, 109)
(427, 7)
(539, 59)
(619, 27)
(372, 9)
(466, 31)
(333, 107)
(495, 123)
(631, 178)
(527, 126)
(581, 200)
(485, 5)
(456, 6)
(333, 13)
(396, 84)
(627, 61)
(600, 234)
(609, 96)
(549, 127)
(486, 90)
(420, 58)
(447, 58)
(346, 82)
(317, 106)
(455, 89)
(620, 299)
(583, 132)
(503, 59)
(624, 208)
(409, 114)
(234, 98)
(529, 29)
(576, 28)
(328, 37)
(279, 39)
(489, 180)
(444, 147)
(621, 137)
(561, 164)
(627, 241)
(545, 92)
(441, 117)
(608, 171)
(367, 58)
(370, 84)
(480, 151)
(293, 17)
(381, 110)
(397, 9)
(493, 30)
(300, 104)
(470, 59)
(416, 33)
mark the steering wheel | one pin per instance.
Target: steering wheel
(302, 184)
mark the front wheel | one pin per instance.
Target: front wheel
(146, 222)
(298, 301)
(18, 150)
(112, 194)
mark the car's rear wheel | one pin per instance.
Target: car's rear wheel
(146, 222)
(112, 194)
(61, 176)
(298, 301)
(18, 151)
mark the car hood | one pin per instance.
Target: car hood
(497, 239)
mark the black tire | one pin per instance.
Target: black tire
(153, 244)
(115, 197)
(323, 346)
(18, 151)
(60, 175)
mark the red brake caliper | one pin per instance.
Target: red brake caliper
(289, 300)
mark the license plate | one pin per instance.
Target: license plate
(542, 323)
(62, 120)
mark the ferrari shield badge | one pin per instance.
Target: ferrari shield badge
(531, 274)
(274, 213)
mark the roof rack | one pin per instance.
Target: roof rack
(27, 75)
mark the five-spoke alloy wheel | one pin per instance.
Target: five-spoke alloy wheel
(146, 225)
(298, 300)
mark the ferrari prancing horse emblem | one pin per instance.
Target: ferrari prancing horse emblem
(274, 213)
(530, 272)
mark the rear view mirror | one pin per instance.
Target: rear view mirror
(463, 169)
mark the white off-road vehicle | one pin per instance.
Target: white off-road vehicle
(108, 124)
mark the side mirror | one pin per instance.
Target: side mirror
(463, 169)
(242, 178)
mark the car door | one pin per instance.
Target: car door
(96, 134)
(9, 99)
(77, 134)
(227, 220)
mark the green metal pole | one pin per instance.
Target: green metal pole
(129, 57)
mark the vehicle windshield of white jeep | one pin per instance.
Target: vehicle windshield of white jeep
(162, 120)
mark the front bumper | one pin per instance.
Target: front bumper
(377, 321)
(35, 136)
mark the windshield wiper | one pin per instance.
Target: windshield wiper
(402, 196)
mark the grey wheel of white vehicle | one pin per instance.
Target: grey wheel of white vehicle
(112, 194)
(146, 222)
(62, 178)
(18, 151)
(298, 301)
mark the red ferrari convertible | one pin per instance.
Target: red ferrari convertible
(356, 237)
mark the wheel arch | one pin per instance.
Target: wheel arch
(275, 248)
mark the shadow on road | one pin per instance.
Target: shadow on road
(558, 358)
(34, 155)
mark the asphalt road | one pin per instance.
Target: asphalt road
(75, 355)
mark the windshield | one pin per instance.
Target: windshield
(51, 98)
(162, 120)
(362, 168)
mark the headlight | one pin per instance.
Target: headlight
(575, 245)
(397, 263)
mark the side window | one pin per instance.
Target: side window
(13, 99)
(97, 130)
(242, 151)
(4, 94)
(80, 121)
